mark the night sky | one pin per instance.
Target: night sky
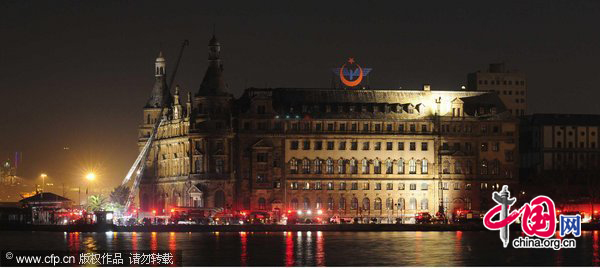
(77, 73)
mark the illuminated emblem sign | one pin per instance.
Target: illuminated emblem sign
(351, 74)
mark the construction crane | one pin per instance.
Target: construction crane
(139, 164)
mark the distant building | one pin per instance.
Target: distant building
(560, 156)
(8, 174)
(370, 153)
(13, 213)
(46, 208)
(511, 86)
(559, 142)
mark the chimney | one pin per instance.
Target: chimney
(427, 87)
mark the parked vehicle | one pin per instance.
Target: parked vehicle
(463, 216)
(423, 217)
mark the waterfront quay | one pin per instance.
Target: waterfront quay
(268, 228)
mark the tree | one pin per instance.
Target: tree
(97, 203)
(120, 195)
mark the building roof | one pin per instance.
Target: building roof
(564, 119)
(160, 95)
(213, 83)
(299, 102)
(45, 198)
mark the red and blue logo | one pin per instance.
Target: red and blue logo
(538, 217)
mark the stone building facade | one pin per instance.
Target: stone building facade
(190, 161)
(375, 153)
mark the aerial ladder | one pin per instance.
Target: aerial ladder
(139, 165)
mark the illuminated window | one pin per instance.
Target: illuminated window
(412, 166)
(354, 204)
(293, 166)
(341, 166)
(389, 166)
(424, 204)
(377, 203)
(365, 166)
(305, 166)
(412, 204)
(306, 203)
(401, 186)
(353, 166)
(366, 204)
(400, 166)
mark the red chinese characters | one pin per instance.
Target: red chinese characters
(538, 217)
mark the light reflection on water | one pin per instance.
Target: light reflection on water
(317, 248)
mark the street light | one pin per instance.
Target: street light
(43, 175)
(90, 176)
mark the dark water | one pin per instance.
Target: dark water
(319, 248)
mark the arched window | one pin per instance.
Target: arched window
(377, 203)
(468, 167)
(389, 203)
(198, 164)
(458, 167)
(354, 203)
(484, 167)
(294, 204)
(329, 166)
(341, 166)
(424, 166)
(400, 203)
(319, 204)
(317, 166)
(424, 204)
(176, 199)
(219, 166)
(495, 167)
(342, 203)
(330, 203)
(293, 166)
(400, 166)
(366, 204)
(219, 199)
(412, 166)
(365, 166)
(412, 204)
(377, 166)
(305, 166)
(389, 166)
(446, 167)
(353, 166)
(306, 203)
(262, 204)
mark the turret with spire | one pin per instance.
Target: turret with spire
(213, 83)
(160, 95)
